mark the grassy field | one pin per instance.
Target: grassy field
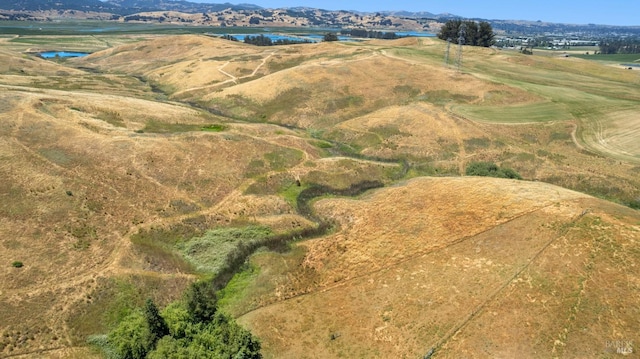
(620, 58)
(162, 158)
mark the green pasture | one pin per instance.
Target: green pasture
(621, 58)
(537, 112)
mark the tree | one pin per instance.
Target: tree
(189, 328)
(476, 34)
(450, 30)
(486, 37)
(330, 36)
(130, 339)
(259, 40)
(201, 301)
(157, 326)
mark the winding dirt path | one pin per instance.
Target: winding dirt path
(232, 78)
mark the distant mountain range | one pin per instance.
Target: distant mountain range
(121, 7)
(221, 14)
(125, 7)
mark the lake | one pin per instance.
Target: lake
(415, 34)
(52, 54)
(272, 37)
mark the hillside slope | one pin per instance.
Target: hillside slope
(471, 267)
(112, 162)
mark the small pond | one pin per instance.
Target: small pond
(52, 54)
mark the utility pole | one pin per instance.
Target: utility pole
(446, 52)
(461, 39)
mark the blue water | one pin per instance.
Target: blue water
(320, 37)
(272, 37)
(415, 34)
(52, 54)
(298, 37)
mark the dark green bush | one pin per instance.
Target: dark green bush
(490, 169)
(17, 264)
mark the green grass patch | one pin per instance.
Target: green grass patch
(213, 128)
(341, 103)
(158, 244)
(473, 144)
(283, 158)
(441, 97)
(322, 144)
(111, 301)
(154, 126)
(219, 248)
(286, 100)
(237, 287)
(406, 91)
(160, 255)
(538, 112)
(291, 192)
(611, 58)
(278, 64)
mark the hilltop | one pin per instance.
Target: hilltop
(117, 164)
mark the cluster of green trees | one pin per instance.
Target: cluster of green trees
(229, 37)
(369, 34)
(262, 40)
(330, 36)
(475, 33)
(620, 46)
(190, 328)
(490, 169)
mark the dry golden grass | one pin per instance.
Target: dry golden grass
(90, 159)
(179, 63)
(436, 262)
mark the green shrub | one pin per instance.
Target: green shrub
(188, 328)
(490, 169)
(130, 339)
(17, 264)
(219, 249)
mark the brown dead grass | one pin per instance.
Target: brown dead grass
(440, 269)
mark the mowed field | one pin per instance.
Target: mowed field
(112, 162)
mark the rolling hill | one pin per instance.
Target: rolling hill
(114, 163)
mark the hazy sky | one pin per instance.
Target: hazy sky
(608, 12)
